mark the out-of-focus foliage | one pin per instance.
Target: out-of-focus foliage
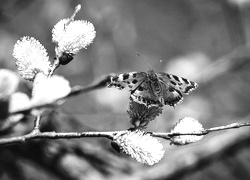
(182, 37)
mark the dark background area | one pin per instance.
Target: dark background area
(205, 41)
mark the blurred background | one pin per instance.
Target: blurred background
(205, 41)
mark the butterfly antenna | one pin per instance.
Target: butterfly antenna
(144, 60)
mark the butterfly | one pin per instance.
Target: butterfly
(154, 89)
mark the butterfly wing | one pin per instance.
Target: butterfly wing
(130, 80)
(137, 83)
(174, 87)
(171, 96)
(183, 85)
(144, 95)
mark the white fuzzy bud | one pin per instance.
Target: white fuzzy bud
(71, 36)
(48, 90)
(31, 58)
(186, 125)
(140, 146)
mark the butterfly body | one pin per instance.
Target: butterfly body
(153, 88)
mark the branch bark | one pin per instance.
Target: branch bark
(36, 134)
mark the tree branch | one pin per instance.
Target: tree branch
(55, 65)
(54, 135)
(37, 123)
(183, 163)
(74, 92)
(36, 134)
(202, 132)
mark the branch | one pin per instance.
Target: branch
(37, 123)
(55, 65)
(74, 92)
(36, 134)
(180, 164)
(200, 133)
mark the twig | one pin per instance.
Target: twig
(36, 134)
(101, 83)
(179, 165)
(77, 9)
(74, 91)
(202, 132)
(37, 123)
(55, 135)
(38, 118)
(55, 65)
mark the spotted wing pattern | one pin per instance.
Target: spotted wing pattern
(145, 95)
(137, 83)
(140, 84)
(174, 87)
(131, 80)
(171, 96)
(181, 84)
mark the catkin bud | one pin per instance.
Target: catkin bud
(31, 58)
(186, 125)
(140, 146)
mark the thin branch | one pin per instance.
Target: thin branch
(101, 83)
(77, 9)
(37, 123)
(55, 65)
(36, 134)
(179, 165)
(74, 92)
(54, 135)
(200, 133)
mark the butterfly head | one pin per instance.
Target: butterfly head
(152, 75)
